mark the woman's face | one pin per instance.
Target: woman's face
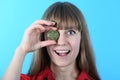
(67, 48)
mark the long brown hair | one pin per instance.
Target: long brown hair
(65, 15)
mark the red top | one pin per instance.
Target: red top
(47, 75)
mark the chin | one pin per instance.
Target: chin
(61, 64)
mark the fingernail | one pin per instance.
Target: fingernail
(54, 23)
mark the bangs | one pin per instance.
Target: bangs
(64, 15)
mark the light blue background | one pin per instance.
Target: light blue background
(102, 17)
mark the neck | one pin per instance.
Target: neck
(64, 72)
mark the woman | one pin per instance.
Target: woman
(68, 58)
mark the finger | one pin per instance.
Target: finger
(41, 28)
(45, 22)
(46, 43)
(44, 27)
(51, 28)
(37, 28)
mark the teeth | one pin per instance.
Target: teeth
(65, 51)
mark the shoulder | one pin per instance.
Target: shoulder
(84, 76)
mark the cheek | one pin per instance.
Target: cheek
(50, 49)
(76, 44)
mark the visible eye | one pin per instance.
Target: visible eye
(71, 32)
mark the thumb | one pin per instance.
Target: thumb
(46, 43)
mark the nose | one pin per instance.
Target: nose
(62, 39)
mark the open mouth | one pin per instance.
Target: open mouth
(62, 52)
